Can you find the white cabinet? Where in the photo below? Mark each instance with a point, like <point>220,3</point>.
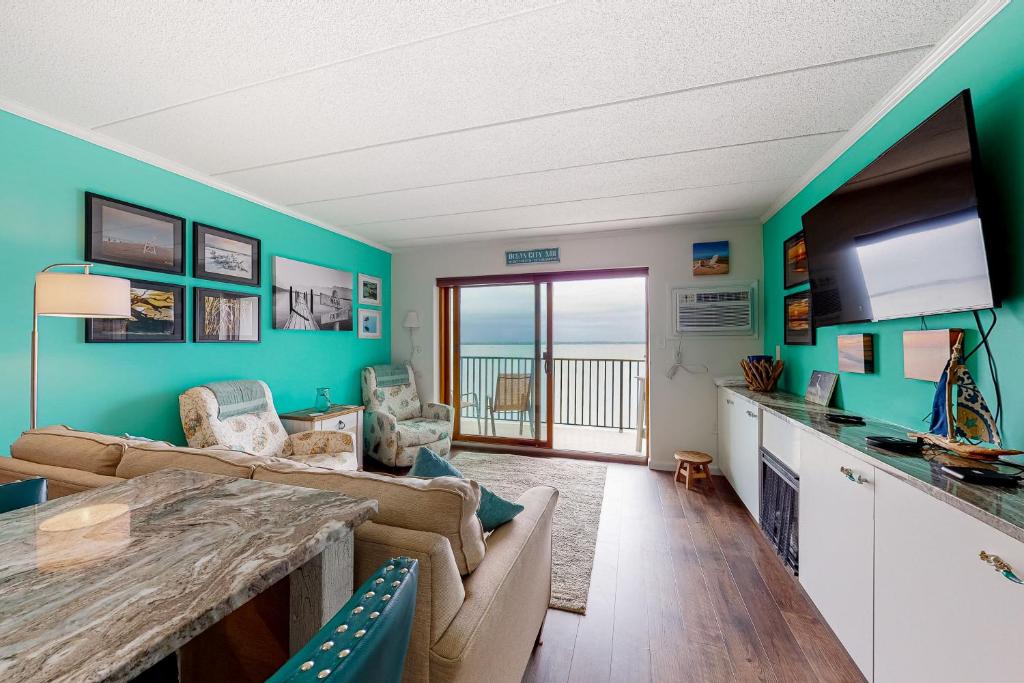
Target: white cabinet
<point>837,542</point>
<point>941,613</point>
<point>738,439</point>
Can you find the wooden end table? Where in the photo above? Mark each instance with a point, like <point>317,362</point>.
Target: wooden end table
<point>343,418</point>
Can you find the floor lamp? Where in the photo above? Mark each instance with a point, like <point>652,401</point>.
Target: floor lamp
<point>412,323</point>
<point>73,295</point>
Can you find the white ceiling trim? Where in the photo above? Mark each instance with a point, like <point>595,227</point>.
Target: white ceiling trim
<point>973,22</point>
<point>166,164</point>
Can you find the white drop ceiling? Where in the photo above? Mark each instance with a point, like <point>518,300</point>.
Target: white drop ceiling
<point>409,122</point>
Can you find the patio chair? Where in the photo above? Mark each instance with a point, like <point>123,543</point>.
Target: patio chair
<point>471,401</point>
<point>513,393</point>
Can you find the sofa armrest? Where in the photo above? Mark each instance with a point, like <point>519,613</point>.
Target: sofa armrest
<point>439,411</point>
<point>496,629</point>
<point>439,594</point>
<point>318,443</point>
<point>60,481</point>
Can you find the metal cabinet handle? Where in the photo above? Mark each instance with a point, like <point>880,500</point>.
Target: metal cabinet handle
<point>750,413</point>
<point>855,478</point>
<point>1000,566</point>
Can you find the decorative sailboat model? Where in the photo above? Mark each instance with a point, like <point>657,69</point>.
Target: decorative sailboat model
<point>961,420</point>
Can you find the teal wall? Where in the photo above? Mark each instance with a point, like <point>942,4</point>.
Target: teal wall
<point>134,388</point>
<point>991,64</point>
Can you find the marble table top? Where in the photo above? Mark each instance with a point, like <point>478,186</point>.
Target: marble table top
<point>1001,508</point>
<point>101,585</point>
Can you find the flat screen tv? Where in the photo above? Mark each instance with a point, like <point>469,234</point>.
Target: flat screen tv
<point>904,237</point>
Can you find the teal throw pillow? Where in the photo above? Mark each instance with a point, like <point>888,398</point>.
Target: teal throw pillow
<point>493,511</point>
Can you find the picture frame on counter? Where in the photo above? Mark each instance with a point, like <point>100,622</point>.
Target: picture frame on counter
<point>225,256</point>
<point>821,387</point>
<point>120,233</point>
<point>225,316</point>
<point>157,316</point>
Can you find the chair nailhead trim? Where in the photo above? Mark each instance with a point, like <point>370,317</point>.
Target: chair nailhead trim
<point>357,610</point>
<point>328,645</point>
<point>344,653</point>
<point>385,598</point>
<point>306,666</point>
<point>360,633</point>
<point>374,615</point>
<point>324,674</point>
<point>342,628</point>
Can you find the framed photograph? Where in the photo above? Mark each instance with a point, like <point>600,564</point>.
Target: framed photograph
<point>821,387</point>
<point>158,315</point>
<point>370,292</point>
<point>798,326</point>
<point>856,353</point>
<point>794,257</point>
<point>124,234</point>
<point>710,258</point>
<point>310,297</point>
<point>225,256</point>
<point>222,316</point>
<point>369,323</point>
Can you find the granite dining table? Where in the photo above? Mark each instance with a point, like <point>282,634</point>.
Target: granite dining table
<point>105,584</point>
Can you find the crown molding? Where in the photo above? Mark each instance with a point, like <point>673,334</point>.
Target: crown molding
<point>107,142</point>
<point>973,22</point>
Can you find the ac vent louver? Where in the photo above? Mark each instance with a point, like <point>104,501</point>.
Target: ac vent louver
<point>722,310</point>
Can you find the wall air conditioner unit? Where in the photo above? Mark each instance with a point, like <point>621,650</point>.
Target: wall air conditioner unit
<point>720,310</point>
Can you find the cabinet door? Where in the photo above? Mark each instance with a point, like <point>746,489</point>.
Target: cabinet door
<point>941,613</point>
<point>722,458</point>
<point>837,542</point>
<point>745,455</point>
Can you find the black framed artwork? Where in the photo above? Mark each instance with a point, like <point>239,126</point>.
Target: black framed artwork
<point>798,325</point>
<point>124,234</point>
<point>223,316</point>
<point>157,315</point>
<point>225,256</point>
<point>794,261</point>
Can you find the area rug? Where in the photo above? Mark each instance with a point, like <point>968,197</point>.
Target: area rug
<point>580,485</point>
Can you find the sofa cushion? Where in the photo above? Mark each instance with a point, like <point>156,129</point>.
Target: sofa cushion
<point>145,457</point>
<point>445,506</point>
<point>419,431</point>
<point>62,446</point>
<point>60,481</point>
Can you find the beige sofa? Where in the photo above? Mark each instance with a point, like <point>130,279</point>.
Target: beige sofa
<point>481,600</point>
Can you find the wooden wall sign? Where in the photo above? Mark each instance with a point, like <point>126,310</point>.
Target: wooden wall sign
<point>926,352</point>
<point>856,353</point>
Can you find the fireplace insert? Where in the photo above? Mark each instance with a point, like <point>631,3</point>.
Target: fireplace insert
<point>780,508</point>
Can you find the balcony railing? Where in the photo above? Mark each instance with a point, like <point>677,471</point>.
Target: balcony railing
<point>589,392</point>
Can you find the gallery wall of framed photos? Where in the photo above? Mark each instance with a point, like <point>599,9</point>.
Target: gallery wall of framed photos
<point>178,241</point>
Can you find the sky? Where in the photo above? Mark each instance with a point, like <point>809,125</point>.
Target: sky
<point>589,311</point>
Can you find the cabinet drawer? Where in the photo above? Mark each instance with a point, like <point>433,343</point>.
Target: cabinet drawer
<point>781,439</point>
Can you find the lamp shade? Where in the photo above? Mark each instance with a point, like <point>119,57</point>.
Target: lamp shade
<point>412,320</point>
<point>77,295</point>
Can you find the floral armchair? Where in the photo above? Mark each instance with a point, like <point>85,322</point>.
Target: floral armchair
<point>396,424</point>
<point>261,433</point>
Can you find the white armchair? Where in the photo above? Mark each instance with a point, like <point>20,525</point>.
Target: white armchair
<point>261,433</point>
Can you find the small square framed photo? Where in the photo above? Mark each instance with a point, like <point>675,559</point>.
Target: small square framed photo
<point>370,293</point>
<point>225,256</point>
<point>222,316</point>
<point>158,315</point>
<point>798,327</point>
<point>133,236</point>
<point>369,323</point>
<point>794,257</point>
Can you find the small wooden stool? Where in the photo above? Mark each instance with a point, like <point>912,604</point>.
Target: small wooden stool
<point>693,465</point>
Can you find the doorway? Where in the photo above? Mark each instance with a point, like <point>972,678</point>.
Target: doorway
<point>548,362</point>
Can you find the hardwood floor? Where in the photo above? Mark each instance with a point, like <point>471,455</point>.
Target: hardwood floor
<point>686,588</point>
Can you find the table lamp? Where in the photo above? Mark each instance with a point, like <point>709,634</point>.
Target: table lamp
<point>74,295</point>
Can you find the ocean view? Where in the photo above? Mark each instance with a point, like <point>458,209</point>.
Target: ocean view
<point>627,351</point>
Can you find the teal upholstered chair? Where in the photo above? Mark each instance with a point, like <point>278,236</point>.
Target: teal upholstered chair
<point>21,494</point>
<point>367,639</point>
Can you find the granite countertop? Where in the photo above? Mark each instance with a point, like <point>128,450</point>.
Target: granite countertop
<point>101,585</point>
<point>1001,508</point>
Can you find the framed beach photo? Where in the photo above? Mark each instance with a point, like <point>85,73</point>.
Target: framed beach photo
<point>711,258</point>
<point>370,292</point>
<point>821,387</point>
<point>158,315</point>
<point>223,316</point>
<point>369,323</point>
<point>794,256</point>
<point>130,235</point>
<point>311,297</point>
<point>225,256</point>
<point>798,327</point>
